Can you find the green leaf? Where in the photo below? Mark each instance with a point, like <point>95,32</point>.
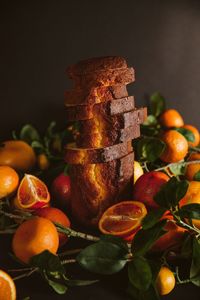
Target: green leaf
<point>171,193</point>
<point>178,168</point>
<point>37,145</point>
<point>103,258</point>
<point>58,287</point>
<point>157,104</point>
<point>29,134</point>
<point>115,240</point>
<point>197,176</point>
<point>195,266</point>
<point>50,129</point>
<point>145,239</point>
<point>47,261</point>
<point>150,121</point>
<point>71,283</point>
<point>188,134</point>
<point>149,149</point>
<point>139,273</point>
<point>153,217</point>
<point>190,211</point>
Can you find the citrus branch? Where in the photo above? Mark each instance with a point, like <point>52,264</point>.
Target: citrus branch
<point>70,232</point>
<point>176,164</point>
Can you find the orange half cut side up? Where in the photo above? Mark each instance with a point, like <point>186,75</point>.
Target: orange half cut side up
<point>123,218</point>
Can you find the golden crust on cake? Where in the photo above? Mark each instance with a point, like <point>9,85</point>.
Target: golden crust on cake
<point>95,187</point>
<point>109,108</point>
<point>96,64</point>
<point>97,155</point>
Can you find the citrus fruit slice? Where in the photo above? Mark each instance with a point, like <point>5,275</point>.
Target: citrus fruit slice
<point>32,193</point>
<point>122,219</point>
<point>7,287</point>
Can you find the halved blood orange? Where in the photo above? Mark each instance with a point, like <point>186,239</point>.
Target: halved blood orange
<point>32,193</point>
<point>123,219</point>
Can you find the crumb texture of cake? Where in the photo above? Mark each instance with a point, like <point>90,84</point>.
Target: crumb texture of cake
<point>101,163</point>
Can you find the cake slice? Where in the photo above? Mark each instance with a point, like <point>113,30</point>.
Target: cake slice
<point>96,64</point>
<point>95,187</point>
<point>110,107</point>
<point>110,138</point>
<point>103,130</point>
<point>105,78</point>
<point>94,95</point>
<point>97,155</point>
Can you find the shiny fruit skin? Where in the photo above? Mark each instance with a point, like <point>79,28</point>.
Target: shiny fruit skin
<point>61,190</point>
<point>196,134</point>
<point>138,171</point>
<point>192,169</point>
<point>55,215</point>
<point>9,181</point>
<point>33,237</point>
<point>171,118</point>
<point>176,146</point>
<point>147,186</point>
<point>18,155</point>
<point>165,281</point>
<point>43,162</point>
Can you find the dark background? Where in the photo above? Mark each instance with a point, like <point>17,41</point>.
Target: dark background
<point>39,39</point>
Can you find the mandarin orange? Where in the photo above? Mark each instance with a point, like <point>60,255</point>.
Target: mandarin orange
<point>33,237</point>
<point>176,146</point>
<point>171,118</point>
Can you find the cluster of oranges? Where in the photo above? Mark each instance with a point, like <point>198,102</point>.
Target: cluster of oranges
<point>29,193</point>
<point>124,219</point>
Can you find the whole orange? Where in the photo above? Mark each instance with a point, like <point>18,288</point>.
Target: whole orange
<point>196,134</point>
<point>18,155</point>
<point>147,186</point>
<point>192,196</point>
<point>43,162</point>
<point>55,215</point>
<point>192,169</point>
<point>165,281</point>
<point>9,181</point>
<point>171,118</point>
<point>172,238</point>
<point>33,237</point>
<point>176,146</point>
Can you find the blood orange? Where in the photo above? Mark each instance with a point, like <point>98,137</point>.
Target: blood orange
<point>123,219</point>
<point>32,193</point>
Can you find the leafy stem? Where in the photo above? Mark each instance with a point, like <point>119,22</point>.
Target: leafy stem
<point>166,167</point>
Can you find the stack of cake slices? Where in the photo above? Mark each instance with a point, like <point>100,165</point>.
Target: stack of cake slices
<point>101,163</point>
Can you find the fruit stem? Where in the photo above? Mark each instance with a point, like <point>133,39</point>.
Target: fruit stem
<point>70,232</point>
<point>68,261</point>
<point>185,163</point>
<point>180,281</point>
<point>185,225</point>
<point>33,270</point>
<point>13,216</point>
